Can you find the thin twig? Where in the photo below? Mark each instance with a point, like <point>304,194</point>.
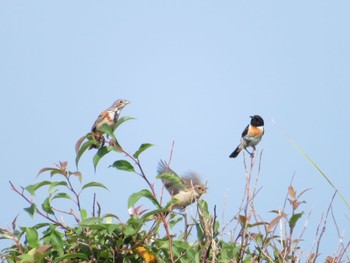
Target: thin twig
<point>36,209</point>
<point>323,228</point>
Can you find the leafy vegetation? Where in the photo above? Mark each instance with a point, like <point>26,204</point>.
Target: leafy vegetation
<point>149,235</point>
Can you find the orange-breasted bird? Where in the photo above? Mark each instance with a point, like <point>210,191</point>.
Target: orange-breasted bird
<point>251,136</point>
<point>186,191</point>
<point>110,117</point>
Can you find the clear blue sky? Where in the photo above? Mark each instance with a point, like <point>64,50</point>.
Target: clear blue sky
<point>194,71</point>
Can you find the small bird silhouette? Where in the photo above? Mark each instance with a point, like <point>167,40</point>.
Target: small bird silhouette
<point>186,191</point>
<point>251,136</point>
<point>110,117</point>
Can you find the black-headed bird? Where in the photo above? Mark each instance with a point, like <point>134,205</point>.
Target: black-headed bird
<point>251,136</point>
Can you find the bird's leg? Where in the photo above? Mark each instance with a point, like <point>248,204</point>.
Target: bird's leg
<point>253,152</point>
<point>250,153</point>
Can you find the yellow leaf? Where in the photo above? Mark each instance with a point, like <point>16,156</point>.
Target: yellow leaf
<point>147,256</point>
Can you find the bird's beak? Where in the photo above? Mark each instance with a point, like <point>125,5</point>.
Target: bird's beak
<point>127,102</point>
<point>251,116</point>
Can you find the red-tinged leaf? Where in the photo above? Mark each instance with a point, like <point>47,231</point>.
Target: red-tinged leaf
<point>62,166</point>
<point>299,195</point>
<point>275,221</point>
<point>100,153</point>
<point>43,248</point>
<point>259,224</point>
<point>77,174</point>
<point>142,148</point>
<point>82,149</point>
<point>79,142</point>
<point>46,169</point>
<point>291,192</point>
<point>276,211</point>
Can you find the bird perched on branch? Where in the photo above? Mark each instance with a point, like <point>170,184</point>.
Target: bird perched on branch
<point>183,190</point>
<point>251,136</point>
<point>110,117</point>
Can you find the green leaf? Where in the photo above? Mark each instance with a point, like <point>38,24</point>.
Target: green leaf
<point>32,237</point>
<point>46,206</point>
<point>82,149</point>
<point>109,215</point>
<point>77,174</point>
<point>107,130</point>
<point>200,232</point>
<point>142,148</point>
<point>130,230</point>
<point>55,184</point>
<point>143,193</point>
<point>65,257</point>
<point>54,238</point>
<point>123,165</point>
<point>25,258</point>
<point>92,221</point>
<point>83,214</point>
<point>203,206</point>
<point>94,184</point>
<point>62,195</point>
<point>122,120</point>
<point>31,210</point>
<point>100,153</point>
<point>293,220</point>
<point>33,187</point>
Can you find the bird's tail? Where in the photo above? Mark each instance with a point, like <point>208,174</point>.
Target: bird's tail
<point>235,153</point>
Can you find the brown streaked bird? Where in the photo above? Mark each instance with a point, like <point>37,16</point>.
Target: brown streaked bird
<point>110,117</point>
<point>186,192</point>
<point>251,136</point>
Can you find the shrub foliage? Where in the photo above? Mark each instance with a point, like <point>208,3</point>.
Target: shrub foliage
<point>149,235</point>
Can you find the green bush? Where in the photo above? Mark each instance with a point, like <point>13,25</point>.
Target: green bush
<point>149,235</point>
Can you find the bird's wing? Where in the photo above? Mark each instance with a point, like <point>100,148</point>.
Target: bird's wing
<point>173,186</point>
<point>245,132</point>
<point>99,119</point>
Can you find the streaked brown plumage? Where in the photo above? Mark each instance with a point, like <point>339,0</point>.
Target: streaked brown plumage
<point>110,117</point>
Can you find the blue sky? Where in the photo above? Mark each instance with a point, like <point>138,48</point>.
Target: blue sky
<point>194,72</point>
